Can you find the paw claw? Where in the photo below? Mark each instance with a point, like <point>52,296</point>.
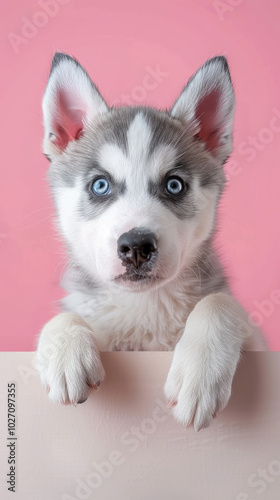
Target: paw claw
<point>94,386</point>
<point>171,403</point>
<point>81,401</point>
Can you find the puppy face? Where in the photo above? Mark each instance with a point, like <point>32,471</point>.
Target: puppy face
<point>136,189</point>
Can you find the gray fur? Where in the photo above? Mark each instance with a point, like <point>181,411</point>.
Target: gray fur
<point>80,161</point>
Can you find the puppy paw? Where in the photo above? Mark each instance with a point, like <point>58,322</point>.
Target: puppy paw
<point>68,360</point>
<point>196,388</point>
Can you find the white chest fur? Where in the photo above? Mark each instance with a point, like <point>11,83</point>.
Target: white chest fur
<point>122,320</point>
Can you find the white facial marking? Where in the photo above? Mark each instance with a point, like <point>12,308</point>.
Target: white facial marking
<point>67,200</point>
<point>113,160</point>
<point>136,167</point>
<point>161,160</point>
<point>139,136</point>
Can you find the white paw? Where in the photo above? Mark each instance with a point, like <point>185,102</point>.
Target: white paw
<point>205,359</point>
<point>68,359</point>
<point>196,387</point>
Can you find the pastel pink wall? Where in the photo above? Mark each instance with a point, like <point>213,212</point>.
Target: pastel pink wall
<point>120,43</point>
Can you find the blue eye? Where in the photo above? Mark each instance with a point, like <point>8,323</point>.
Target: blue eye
<point>174,185</point>
<point>101,186</point>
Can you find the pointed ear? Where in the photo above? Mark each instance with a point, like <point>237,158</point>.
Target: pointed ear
<point>207,106</point>
<point>71,101</point>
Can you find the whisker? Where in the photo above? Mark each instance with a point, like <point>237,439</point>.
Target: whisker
<point>34,212</point>
<point>64,258</point>
<point>34,223</point>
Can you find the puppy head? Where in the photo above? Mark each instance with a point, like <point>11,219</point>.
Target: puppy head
<point>136,189</point>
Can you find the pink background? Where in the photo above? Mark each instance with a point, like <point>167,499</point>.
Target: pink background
<point>116,42</point>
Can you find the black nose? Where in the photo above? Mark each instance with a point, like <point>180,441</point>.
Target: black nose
<point>137,246</point>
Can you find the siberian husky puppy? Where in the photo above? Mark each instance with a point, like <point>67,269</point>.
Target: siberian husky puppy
<point>136,191</point>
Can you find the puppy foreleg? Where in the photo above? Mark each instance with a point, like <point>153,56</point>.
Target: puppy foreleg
<point>68,359</point>
<point>205,359</point>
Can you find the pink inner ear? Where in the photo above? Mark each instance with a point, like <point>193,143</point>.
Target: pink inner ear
<point>207,115</point>
<point>68,120</point>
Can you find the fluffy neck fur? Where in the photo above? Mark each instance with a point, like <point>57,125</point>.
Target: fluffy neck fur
<point>149,320</point>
